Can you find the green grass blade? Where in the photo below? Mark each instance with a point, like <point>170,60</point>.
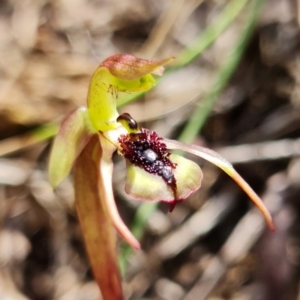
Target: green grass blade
<point>206,105</point>
<point>205,39</point>
<point>141,216</point>
<point>32,137</point>
<point>213,31</point>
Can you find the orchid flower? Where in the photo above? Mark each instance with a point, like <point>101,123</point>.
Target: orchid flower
<point>87,139</point>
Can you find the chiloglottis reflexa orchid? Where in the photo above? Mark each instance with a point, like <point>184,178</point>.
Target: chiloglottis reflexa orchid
<point>87,139</point>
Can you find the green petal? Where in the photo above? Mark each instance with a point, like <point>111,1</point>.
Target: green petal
<point>216,159</point>
<point>118,73</point>
<point>96,224</point>
<point>72,136</point>
<point>144,186</point>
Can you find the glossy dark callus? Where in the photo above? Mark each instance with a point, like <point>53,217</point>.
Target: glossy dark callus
<point>146,150</point>
<point>132,124</point>
<point>149,155</point>
<point>167,173</point>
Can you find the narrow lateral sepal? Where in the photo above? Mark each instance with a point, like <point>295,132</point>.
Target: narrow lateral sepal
<point>96,225</point>
<point>71,138</point>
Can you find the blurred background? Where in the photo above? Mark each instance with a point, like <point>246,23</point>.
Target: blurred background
<point>234,87</point>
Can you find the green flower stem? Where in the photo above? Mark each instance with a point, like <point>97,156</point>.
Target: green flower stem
<point>199,117</point>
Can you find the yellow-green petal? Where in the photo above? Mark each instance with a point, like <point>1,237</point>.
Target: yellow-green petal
<point>144,186</point>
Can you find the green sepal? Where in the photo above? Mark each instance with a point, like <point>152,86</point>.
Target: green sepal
<point>73,135</point>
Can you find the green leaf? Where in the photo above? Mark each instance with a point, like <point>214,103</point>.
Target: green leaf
<point>72,136</point>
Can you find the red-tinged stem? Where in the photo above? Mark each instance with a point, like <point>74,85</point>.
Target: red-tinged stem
<point>226,166</point>
<point>97,227</point>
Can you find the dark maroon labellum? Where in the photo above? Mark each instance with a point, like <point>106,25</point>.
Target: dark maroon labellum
<point>146,150</point>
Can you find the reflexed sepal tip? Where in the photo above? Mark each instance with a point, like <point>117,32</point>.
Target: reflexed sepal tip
<point>129,67</point>
<point>145,186</point>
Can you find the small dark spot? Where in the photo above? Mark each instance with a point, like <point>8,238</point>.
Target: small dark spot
<point>130,121</point>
